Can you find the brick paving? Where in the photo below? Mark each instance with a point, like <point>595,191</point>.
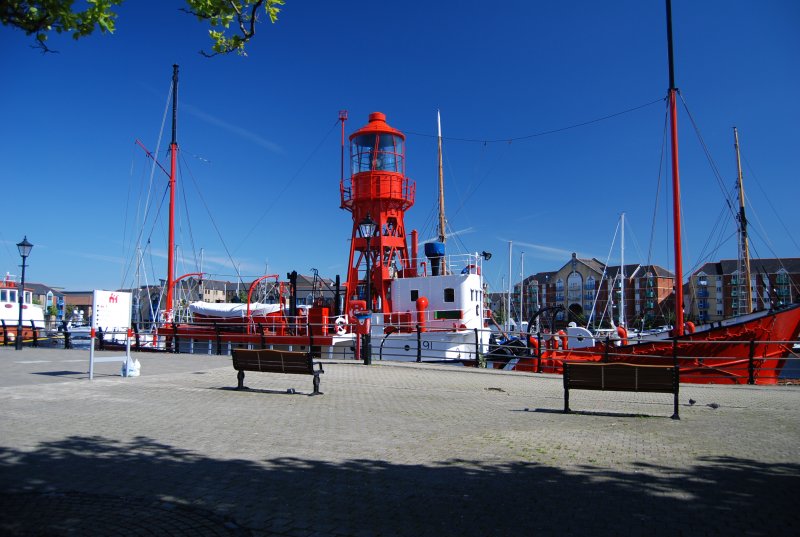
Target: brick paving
<point>390,449</point>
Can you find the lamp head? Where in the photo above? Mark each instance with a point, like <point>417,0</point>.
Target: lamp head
<point>24,247</point>
<point>367,227</point>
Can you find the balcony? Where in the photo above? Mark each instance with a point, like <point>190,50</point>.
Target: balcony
<point>703,305</point>
<point>650,293</point>
<point>702,293</point>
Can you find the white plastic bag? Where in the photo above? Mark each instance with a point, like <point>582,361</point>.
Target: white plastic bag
<point>131,369</point>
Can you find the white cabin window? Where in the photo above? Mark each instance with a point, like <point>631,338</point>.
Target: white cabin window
<point>12,296</point>
<point>449,295</point>
<point>414,295</point>
<point>3,296</point>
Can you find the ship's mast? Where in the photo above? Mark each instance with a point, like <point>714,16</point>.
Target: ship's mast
<point>442,234</point>
<point>745,289</point>
<point>508,291</point>
<point>173,150</point>
<point>676,185</point>
<point>521,289</point>
<point>622,273</point>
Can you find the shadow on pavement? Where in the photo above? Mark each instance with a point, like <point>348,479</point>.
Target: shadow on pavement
<point>291,496</point>
<point>60,373</point>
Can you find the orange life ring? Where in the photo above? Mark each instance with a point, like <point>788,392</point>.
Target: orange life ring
<point>623,334</point>
<point>564,339</point>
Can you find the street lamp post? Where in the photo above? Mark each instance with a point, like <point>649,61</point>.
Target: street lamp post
<point>24,248</point>
<point>367,229</point>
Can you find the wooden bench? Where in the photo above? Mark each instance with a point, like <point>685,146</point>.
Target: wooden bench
<point>275,361</point>
<point>621,378</point>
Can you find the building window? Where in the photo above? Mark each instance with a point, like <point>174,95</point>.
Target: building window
<point>559,285</point>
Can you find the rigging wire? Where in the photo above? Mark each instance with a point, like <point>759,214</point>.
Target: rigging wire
<point>661,164</point>
<point>771,206</point>
<point>286,186</point>
<point>146,208</point>
<point>152,229</point>
<point>214,224</point>
<point>188,221</point>
<point>710,159</point>
<point>538,134</point>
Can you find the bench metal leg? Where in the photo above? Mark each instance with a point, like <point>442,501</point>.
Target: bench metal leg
<point>566,401</point>
<point>676,386</point>
<point>675,415</point>
<point>240,378</point>
<point>316,385</point>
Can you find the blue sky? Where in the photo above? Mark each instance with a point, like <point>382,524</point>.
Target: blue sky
<point>260,145</point>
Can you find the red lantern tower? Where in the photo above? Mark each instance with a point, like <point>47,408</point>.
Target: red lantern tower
<point>378,189</point>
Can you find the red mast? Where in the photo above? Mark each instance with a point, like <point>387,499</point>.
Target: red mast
<point>378,188</point>
<point>676,185</point>
<point>173,149</point>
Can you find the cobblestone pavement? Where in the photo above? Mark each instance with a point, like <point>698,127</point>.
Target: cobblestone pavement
<point>389,449</point>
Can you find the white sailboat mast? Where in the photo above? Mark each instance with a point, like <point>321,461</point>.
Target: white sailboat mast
<point>521,289</point>
<point>622,273</point>
<point>508,292</point>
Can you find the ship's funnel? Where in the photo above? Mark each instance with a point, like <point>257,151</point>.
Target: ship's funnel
<point>434,251</point>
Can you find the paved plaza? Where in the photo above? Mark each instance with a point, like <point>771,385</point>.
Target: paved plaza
<point>389,450</point>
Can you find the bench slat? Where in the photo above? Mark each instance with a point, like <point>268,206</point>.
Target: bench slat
<point>275,361</point>
<point>620,377</point>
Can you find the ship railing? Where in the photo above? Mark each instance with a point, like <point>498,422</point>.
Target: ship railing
<point>454,264</point>
<point>729,362</point>
<point>34,333</point>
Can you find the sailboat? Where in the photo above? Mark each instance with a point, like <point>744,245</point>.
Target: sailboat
<point>751,348</point>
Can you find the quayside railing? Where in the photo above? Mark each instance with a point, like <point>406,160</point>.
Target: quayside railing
<point>740,361</point>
